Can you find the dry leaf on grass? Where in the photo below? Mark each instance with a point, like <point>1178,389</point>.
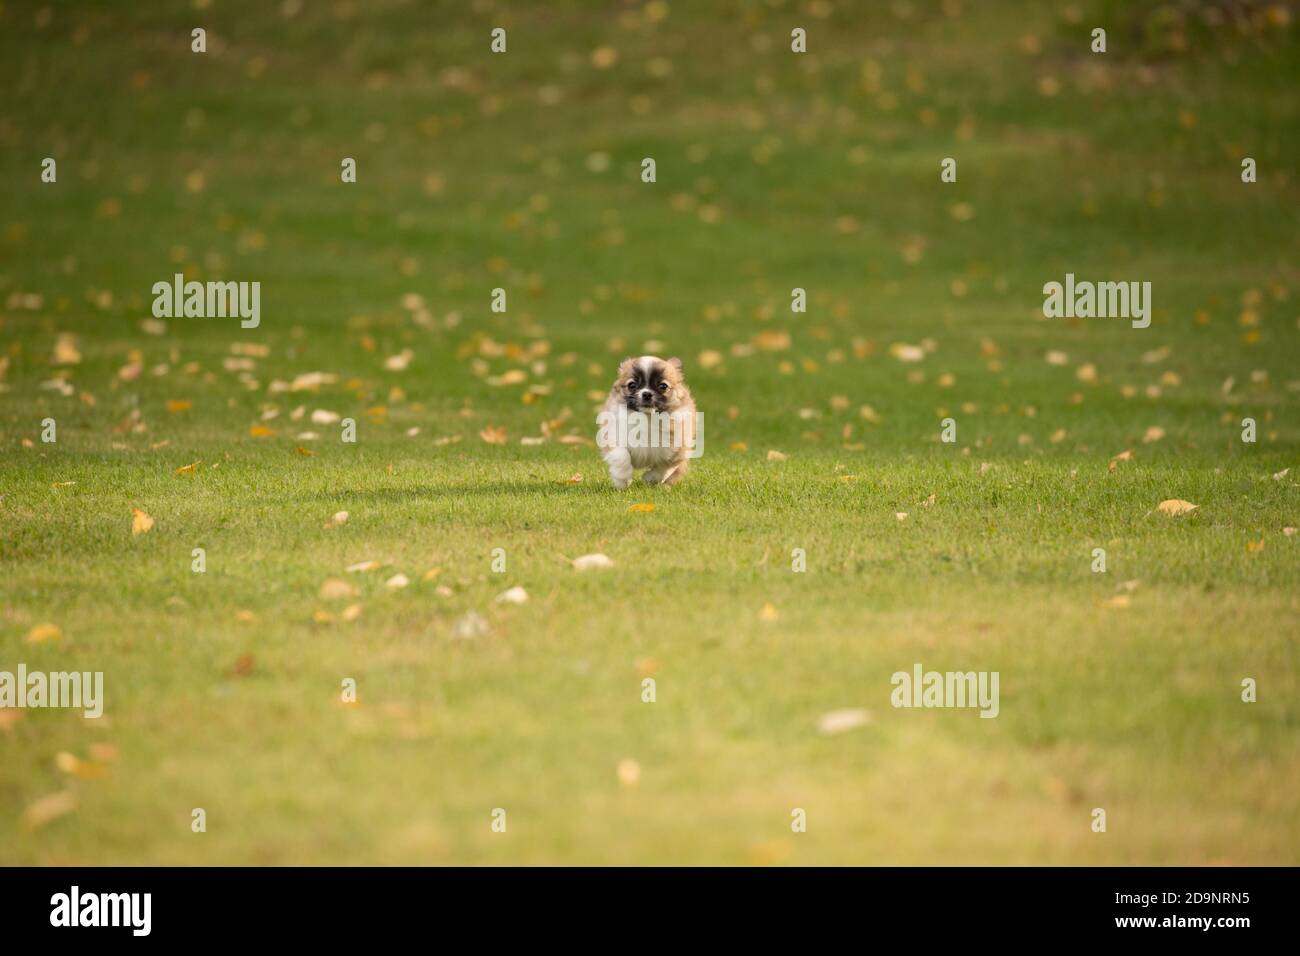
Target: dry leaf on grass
<point>907,353</point>
<point>589,562</point>
<point>43,632</point>
<point>140,521</point>
<point>260,431</point>
<point>1119,600</point>
<point>335,589</point>
<point>515,595</point>
<point>493,435</point>
<point>629,772</point>
<point>768,613</point>
<point>103,753</point>
<point>188,469</point>
<point>641,507</point>
<point>65,350</point>
<point>774,455</point>
<point>470,626</point>
<point>74,766</point>
<point>838,721</point>
<point>1176,506</point>
<point>49,808</point>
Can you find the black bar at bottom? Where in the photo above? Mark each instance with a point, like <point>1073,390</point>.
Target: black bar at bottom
<point>334,907</point>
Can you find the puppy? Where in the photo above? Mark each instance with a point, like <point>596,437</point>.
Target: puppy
<point>648,422</point>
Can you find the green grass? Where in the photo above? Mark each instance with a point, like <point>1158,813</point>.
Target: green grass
<point>815,174</point>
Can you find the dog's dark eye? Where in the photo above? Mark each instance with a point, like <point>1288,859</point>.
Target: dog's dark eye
<point>631,386</point>
<point>663,386</point>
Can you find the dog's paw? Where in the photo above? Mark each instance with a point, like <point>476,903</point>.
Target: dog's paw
<point>620,467</point>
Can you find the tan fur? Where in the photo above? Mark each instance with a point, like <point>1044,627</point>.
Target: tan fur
<point>666,465</point>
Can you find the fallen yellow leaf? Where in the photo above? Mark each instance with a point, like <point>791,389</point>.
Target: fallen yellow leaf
<point>1176,506</point>
<point>187,469</point>
<point>43,632</point>
<point>76,767</point>
<point>65,350</point>
<point>629,772</point>
<point>140,522</point>
<point>334,589</point>
<point>305,452</point>
<point>642,507</point>
<point>179,405</point>
<point>260,431</point>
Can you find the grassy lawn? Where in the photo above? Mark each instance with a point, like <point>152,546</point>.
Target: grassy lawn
<point>223,689</point>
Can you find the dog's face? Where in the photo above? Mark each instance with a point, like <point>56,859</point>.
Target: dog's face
<point>649,383</point>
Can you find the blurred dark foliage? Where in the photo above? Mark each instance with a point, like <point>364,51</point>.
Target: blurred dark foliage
<point>1186,27</point>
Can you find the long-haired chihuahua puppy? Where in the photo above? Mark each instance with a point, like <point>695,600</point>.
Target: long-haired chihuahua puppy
<point>648,422</point>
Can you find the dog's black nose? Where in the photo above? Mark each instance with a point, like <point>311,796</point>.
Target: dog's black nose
<point>647,396</point>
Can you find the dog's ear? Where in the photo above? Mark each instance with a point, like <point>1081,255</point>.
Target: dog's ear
<point>676,363</point>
